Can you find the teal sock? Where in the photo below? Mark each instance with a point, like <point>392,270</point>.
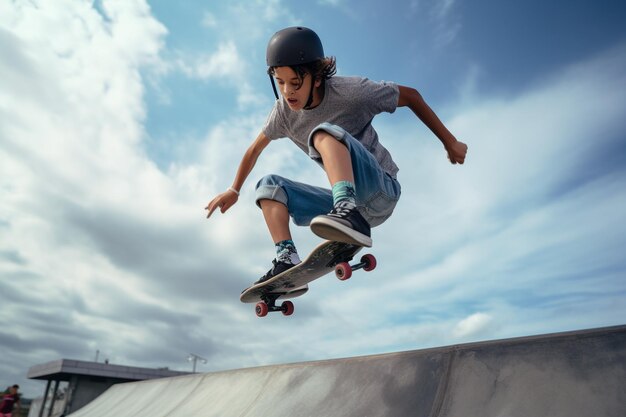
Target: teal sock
<point>286,252</point>
<point>343,191</point>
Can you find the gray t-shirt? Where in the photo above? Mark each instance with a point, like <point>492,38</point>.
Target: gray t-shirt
<point>349,102</point>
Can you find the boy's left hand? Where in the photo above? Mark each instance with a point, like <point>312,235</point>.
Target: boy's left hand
<point>457,152</point>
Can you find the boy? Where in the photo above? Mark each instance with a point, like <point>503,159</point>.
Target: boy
<point>330,119</point>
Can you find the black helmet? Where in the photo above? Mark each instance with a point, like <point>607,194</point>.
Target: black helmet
<point>293,46</point>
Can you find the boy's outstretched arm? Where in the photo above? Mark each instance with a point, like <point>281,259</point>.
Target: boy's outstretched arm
<point>409,97</point>
<point>228,198</point>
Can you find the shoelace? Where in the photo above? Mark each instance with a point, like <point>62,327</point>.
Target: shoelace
<point>276,262</point>
<point>340,210</point>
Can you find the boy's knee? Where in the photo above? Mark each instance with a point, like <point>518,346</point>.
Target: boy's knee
<point>270,187</point>
<point>321,136</point>
<point>269,180</point>
<point>333,130</point>
<point>324,130</point>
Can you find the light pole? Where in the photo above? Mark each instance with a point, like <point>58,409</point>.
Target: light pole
<point>195,358</point>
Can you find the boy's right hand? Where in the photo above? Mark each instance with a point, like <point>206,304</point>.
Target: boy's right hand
<point>457,152</point>
<point>224,201</point>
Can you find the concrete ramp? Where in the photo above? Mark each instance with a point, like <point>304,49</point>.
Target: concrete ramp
<point>568,374</point>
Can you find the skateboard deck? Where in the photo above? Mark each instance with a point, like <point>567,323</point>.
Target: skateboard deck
<point>325,258</point>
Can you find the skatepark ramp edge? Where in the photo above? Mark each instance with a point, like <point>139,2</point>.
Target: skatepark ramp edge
<point>580,373</point>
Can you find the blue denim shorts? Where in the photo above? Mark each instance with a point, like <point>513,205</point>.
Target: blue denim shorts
<point>377,192</point>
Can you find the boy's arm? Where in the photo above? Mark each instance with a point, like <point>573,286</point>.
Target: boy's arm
<point>228,198</point>
<point>409,97</point>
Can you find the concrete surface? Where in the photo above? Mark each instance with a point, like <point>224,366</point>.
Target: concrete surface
<point>571,374</point>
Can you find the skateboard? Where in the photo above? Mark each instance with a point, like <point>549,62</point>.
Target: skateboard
<point>325,258</point>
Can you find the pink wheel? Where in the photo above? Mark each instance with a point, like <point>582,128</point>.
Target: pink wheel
<point>287,308</point>
<point>343,271</point>
<point>370,262</point>
<point>262,309</point>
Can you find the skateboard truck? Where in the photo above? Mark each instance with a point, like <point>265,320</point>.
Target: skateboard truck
<point>269,304</point>
<point>343,270</point>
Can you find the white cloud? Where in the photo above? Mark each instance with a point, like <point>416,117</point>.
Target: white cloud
<point>209,19</point>
<point>447,24</point>
<point>76,187</point>
<point>238,27</point>
<point>472,325</point>
<point>333,3</point>
<point>225,63</point>
<point>442,8</point>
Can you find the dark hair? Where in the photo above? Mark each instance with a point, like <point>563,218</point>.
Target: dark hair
<point>322,69</point>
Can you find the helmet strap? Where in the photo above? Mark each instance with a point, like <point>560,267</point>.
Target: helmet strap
<point>310,100</point>
<point>273,86</point>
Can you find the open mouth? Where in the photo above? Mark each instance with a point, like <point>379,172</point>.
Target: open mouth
<point>292,101</point>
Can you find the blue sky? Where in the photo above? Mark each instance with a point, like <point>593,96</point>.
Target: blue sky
<point>119,120</point>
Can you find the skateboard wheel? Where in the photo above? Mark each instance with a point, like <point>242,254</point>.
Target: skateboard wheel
<point>370,262</point>
<point>262,309</point>
<point>343,271</point>
<point>287,308</point>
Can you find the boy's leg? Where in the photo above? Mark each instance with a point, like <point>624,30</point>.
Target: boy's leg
<point>344,223</point>
<point>281,199</point>
<point>303,202</point>
<point>276,217</point>
<point>335,157</point>
<point>338,166</point>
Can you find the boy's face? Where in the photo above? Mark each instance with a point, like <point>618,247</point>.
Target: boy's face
<point>294,90</point>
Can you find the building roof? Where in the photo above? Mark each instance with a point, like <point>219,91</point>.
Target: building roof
<point>64,369</point>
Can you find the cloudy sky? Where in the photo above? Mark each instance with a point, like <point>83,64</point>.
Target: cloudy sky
<point>120,120</point>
